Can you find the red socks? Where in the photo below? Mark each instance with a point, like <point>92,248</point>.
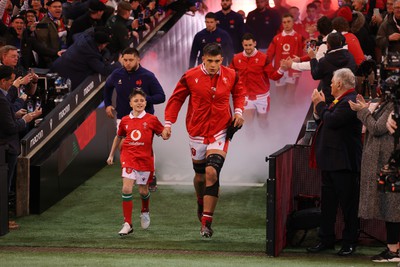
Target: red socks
<point>127,206</point>
<point>207,218</point>
<point>145,202</point>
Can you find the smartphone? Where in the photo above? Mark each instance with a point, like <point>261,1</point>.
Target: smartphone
<point>147,12</point>
<point>312,44</point>
<point>38,103</point>
<point>376,12</point>
<point>140,20</point>
<point>29,106</point>
<point>21,90</point>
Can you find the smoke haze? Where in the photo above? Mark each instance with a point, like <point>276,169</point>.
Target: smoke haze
<point>245,162</point>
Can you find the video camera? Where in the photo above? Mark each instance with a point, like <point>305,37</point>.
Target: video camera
<point>389,176</point>
<point>51,91</point>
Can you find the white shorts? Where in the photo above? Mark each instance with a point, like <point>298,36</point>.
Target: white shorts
<point>286,79</point>
<point>140,177</point>
<point>199,150</point>
<point>261,104</point>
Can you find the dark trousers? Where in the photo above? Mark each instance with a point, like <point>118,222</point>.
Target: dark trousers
<point>339,188</point>
<point>12,162</point>
<point>392,232</point>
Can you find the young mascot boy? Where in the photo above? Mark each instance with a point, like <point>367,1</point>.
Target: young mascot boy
<point>137,160</point>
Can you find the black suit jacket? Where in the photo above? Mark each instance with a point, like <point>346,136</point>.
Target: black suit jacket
<point>10,126</point>
<point>324,68</point>
<point>338,139</point>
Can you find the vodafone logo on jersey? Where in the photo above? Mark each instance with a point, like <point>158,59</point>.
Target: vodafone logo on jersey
<point>135,135</point>
<point>286,47</point>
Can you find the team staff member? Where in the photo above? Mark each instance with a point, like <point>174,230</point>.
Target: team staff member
<point>131,75</point>
<point>337,146</point>
<point>211,34</point>
<point>232,22</point>
<point>209,86</point>
<point>264,23</point>
<point>255,72</point>
<point>126,78</point>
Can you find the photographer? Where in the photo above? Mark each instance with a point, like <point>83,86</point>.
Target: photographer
<point>378,145</point>
<point>336,57</point>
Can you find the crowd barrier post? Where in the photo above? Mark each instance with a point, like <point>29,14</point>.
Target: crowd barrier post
<point>3,191</point>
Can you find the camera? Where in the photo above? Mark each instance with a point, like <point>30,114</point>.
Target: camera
<point>312,44</point>
<point>389,176</point>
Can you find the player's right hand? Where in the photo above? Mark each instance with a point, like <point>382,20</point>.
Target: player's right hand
<point>110,112</point>
<point>110,160</point>
<point>166,133</point>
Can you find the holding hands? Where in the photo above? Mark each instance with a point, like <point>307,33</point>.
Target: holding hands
<point>166,133</point>
<point>286,64</point>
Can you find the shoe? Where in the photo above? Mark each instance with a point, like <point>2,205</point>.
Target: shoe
<point>386,256</point>
<point>126,229</point>
<point>347,250</point>
<point>206,231</point>
<point>145,220</point>
<point>320,247</point>
<point>153,184</point>
<point>12,225</point>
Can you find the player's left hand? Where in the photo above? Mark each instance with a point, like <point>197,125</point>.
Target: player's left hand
<point>238,119</point>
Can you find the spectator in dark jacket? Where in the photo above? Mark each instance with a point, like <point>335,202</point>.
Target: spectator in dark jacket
<point>120,28</point>
<point>92,18</point>
<point>359,27</point>
<point>335,58</point>
<point>389,32</point>
<point>84,58</point>
<point>51,31</point>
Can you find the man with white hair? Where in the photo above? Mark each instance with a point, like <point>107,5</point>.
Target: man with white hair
<point>336,151</point>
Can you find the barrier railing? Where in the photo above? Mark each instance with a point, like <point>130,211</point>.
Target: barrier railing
<point>290,176</point>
